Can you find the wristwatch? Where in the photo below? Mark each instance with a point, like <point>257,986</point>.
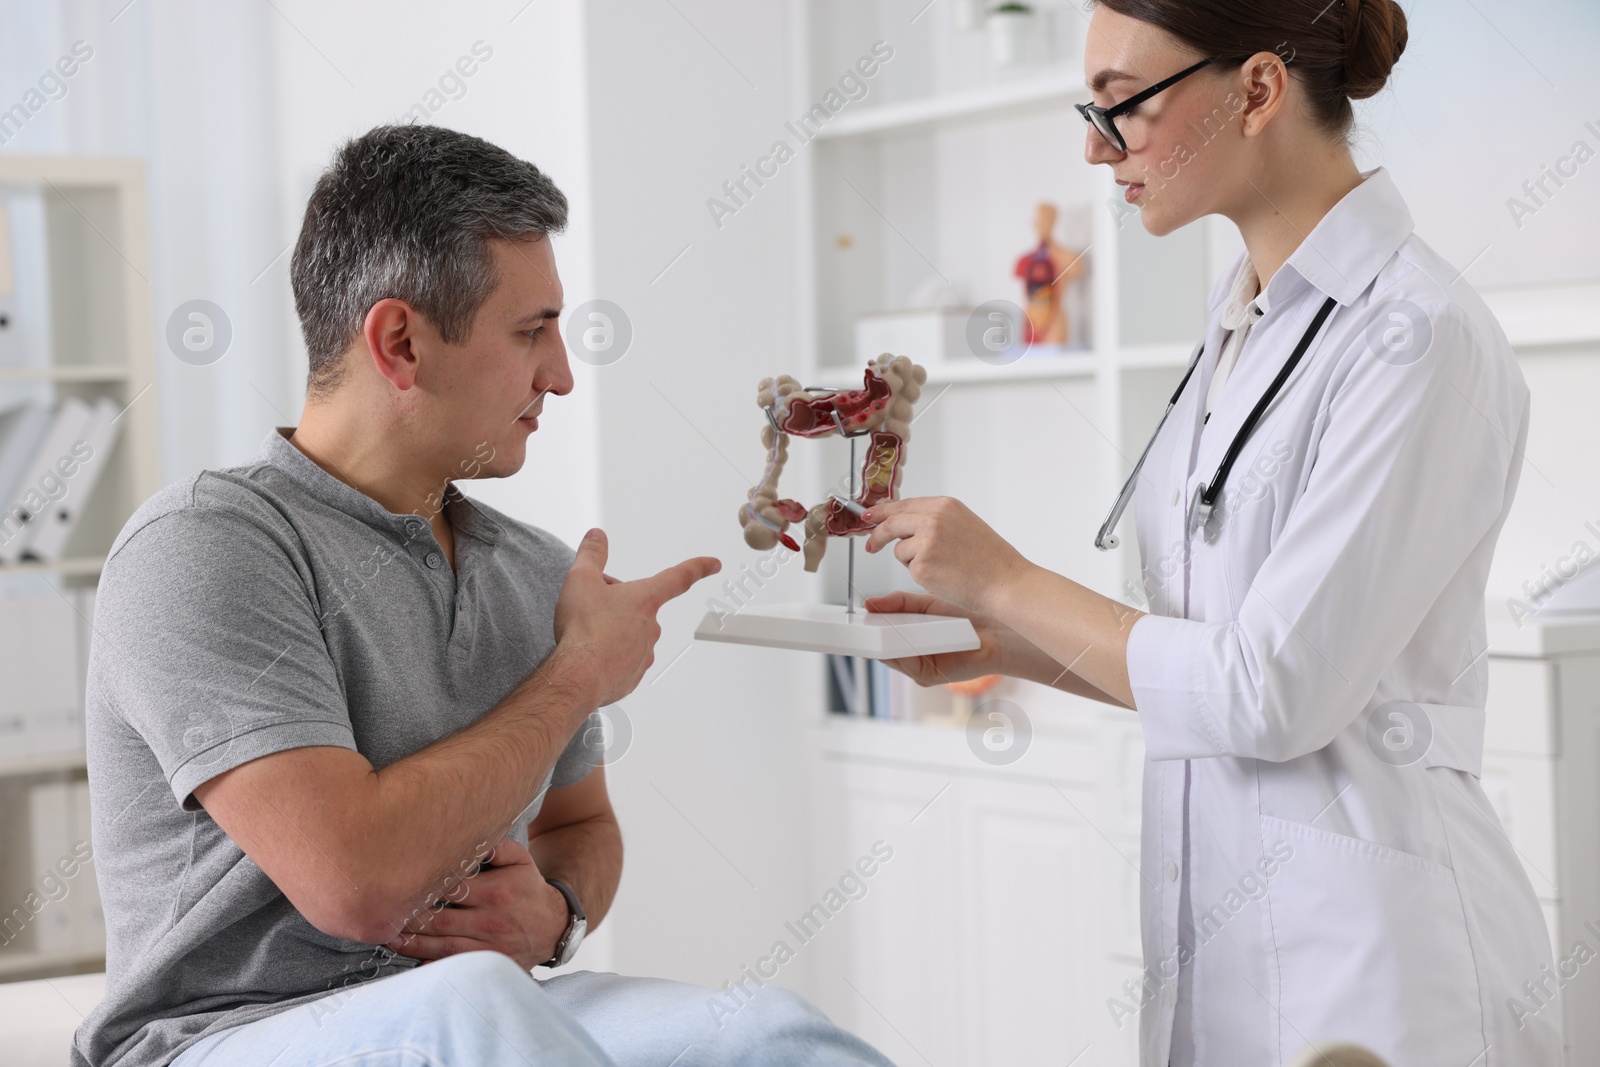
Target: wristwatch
<point>577,927</point>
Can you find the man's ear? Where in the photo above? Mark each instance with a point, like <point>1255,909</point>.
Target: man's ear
<point>1266,87</point>
<point>389,331</point>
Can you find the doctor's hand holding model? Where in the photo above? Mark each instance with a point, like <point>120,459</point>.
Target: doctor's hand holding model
<point>1290,638</point>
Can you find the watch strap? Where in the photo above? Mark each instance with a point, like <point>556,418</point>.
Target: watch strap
<point>577,923</point>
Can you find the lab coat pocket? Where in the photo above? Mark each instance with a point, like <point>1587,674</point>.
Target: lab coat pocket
<point>1371,946</point>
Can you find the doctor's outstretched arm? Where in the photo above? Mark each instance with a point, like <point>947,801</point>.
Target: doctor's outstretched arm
<point>1411,479</point>
<point>1034,623</point>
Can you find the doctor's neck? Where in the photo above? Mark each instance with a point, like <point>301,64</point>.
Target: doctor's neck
<point>1288,197</point>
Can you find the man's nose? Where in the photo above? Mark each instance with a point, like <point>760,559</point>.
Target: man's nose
<point>557,376</point>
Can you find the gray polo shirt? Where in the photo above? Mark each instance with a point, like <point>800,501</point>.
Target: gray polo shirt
<point>244,612</point>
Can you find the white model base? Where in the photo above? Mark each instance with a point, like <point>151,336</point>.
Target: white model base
<point>826,628</point>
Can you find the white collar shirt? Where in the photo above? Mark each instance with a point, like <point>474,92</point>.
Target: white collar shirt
<point>1245,306</point>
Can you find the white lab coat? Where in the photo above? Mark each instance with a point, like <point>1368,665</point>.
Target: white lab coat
<point>1322,892</point>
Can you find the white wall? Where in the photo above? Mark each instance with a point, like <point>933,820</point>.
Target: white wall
<point>1487,96</point>
<point>339,71</point>
<point>710,794</point>
<point>1488,93</point>
<point>1557,511</point>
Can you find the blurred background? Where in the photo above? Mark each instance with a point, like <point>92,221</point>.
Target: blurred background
<point>155,159</point>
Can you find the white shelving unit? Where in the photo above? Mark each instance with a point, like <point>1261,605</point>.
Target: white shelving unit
<point>10,375</point>
<point>987,103</point>
<point>102,338</point>
<point>1029,369</point>
<point>935,176</point>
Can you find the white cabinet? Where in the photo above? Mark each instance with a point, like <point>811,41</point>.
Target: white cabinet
<point>1025,882</point>
<point>909,924</point>
<point>1007,920</point>
<point>1541,771</point>
<point>1007,917</point>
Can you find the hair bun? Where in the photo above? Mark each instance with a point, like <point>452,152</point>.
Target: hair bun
<point>1375,37</point>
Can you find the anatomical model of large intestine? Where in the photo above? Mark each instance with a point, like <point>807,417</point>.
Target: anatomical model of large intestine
<point>881,408</point>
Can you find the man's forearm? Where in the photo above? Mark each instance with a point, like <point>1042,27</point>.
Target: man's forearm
<point>588,857</point>
<point>426,815</point>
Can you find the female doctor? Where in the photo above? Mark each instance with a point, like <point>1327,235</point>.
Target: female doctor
<point>1310,677</point>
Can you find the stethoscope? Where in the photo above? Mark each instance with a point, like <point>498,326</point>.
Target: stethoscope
<point>1206,493</point>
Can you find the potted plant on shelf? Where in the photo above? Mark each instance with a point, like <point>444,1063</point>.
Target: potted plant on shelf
<point>1009,26</point>
<point>968,14</point>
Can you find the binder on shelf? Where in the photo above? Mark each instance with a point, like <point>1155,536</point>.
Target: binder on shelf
<point>872,689</point>
<point>16,931</point>
<point>83,612</point>
<point>14,737</point>
<point>88,914</point>
<point>847,685</point>
<point>50,837</point>
<point>79,470</point>
<point>27,334</point>
<point>902,698</point>
<point>8,290</point>
<point>839,685</point>
<point>878,687</point>
<point>60,872</point>
<point>21,429</point>
<point>42,478</point>
<point>8,277</point>
<point>40,662</point>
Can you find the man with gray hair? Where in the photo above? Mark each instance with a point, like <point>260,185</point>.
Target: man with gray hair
<point>344,761</point>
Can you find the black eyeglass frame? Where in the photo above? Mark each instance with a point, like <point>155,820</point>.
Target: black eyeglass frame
<point>1102,118</point>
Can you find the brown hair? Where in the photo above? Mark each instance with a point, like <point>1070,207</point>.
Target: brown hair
<point>1340,51</point>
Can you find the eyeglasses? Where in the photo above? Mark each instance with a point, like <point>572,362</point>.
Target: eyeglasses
<point>1104,119</point>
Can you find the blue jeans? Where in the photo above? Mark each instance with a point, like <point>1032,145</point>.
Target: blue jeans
<point>480,1009</point>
